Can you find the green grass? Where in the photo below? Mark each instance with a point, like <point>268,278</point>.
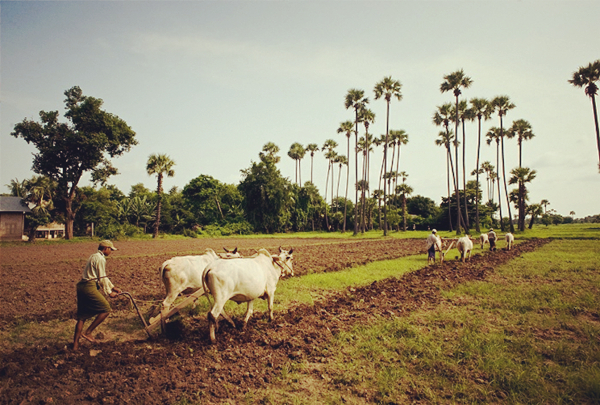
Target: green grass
<point>530,334</point>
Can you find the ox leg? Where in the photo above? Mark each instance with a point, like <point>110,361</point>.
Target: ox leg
<point>249,312</point>
<point>227,318</point>
<point>270,304</point>
<point>213,319</point>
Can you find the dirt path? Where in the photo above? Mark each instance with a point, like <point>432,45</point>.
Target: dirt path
<point>164,371</point>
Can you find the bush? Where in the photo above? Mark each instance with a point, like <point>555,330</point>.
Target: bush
<point>115,231</point>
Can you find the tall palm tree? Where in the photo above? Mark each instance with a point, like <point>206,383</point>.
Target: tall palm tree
<point>454,82</point>
<point>330,154</point>
<point>522,176</point>
<point>341,160</point>
<point>465,114</point>
<point>488,169</point>
<point>312,148</point>
<point>445,139</point>
<point>401,138</point>
<point>545,203</point>
<point>404,190</point>
<point>356,100</point>
<point>367,117</point>
<point>494,135</point>
<point>502,105</point>
<point>294,153</point>
<point>442,117</point>
<point>522,130</point>
<point>387,88</point>
<point>269,153</point>
<point>161,165</point>
<point>482,109</point>
<point>588,77</point>
<point>301,152</point>
<point>346,127</point>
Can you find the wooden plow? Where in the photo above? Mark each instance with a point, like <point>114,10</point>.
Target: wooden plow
<point>161,319</point>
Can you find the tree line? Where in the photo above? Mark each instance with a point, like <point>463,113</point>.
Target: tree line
<point>265,201</point>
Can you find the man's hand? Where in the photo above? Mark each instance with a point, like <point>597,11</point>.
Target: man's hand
<point>113,294</point>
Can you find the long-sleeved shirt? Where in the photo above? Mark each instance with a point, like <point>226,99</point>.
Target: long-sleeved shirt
<point>432,240</point>
<point>95,269</point>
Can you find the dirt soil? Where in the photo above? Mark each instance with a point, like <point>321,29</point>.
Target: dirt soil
<point>38,285</point>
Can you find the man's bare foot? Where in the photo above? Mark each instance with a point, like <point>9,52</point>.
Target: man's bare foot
<point>89,338</point>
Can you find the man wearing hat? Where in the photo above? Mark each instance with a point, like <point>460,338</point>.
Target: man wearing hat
<point>432,242</point>
<point>90,302</point>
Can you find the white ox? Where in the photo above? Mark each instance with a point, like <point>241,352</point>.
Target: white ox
<point>510,239</point>
<point>483,239</point>
<point>185,272</point>
<point>244,280</point>
<point>464,246</point>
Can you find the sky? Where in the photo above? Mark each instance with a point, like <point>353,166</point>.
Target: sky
<point>210,82</point>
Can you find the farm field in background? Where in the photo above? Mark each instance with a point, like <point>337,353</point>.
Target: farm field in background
<point>364,320</point>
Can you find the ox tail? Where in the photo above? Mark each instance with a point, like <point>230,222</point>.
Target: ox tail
<point>205,284</point>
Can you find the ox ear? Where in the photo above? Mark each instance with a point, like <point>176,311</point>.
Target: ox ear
<point>226,250</point>
<point>280,249</point>
<point>291,251</point>
<point>234,250</point>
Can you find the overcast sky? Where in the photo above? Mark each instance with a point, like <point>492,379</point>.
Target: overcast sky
<point>210,82</point>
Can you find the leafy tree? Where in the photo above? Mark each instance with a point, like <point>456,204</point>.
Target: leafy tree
<point>100,207</point>
<point>38,193</point>
<point>588,77</point>
<point>68,150</point>
<point>212,202</point>
<point>269,153</point>
<point>534,210</point>
<point>387,88</point>
<point>404,190</point>
<point>454,82</point>
<point>161,165</point>
<point>267,196</point>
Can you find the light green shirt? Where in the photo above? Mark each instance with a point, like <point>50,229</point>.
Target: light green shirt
<point>95,269</point>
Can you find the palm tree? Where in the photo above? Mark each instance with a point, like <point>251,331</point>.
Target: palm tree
<point>312,148</point>
<point>535,210</point>
<point>522,130</point>
<point>494,135</point>
<point>346,127</point>
<point>356,100</point>
<point>405,190</point>
<point>587,77</point>
<point>367,117</point>
<point>295,155</point>
<point>545,203</point>
<point>454,82</point>
<point>445,139</point>
<point>482,110</point>
<point>465,114</point>
<point>269,153</point>
<point>522,176</point>
<point>488,169</point>
<point>387,88</point>
<point>341,160</point>
<point>160,165</point>
<point>502,105</point>
<point>400,138</point>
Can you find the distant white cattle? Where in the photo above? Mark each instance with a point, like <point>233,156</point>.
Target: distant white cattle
<point>185,272</point>
<point>244,280</point>
<point>510,239</point>
<point>483,239</point>
<point>464,246</point>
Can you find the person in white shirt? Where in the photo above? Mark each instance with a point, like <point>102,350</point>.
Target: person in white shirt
<point>90,302</point>
<point>432,243</point>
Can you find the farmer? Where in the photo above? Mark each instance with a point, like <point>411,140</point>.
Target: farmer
<point>492,238</point>
<point>90,302</point>
<point>432,241</point>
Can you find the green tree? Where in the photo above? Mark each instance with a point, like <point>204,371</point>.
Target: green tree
<point>356,100</point>
<point>161,165</point>
<point>267,197</point>
<point>521,129</point>
<point>38,193</point>
<point>493,135</point>
<point>269,153</point>
<point>454,82</point>
<point>445,139</point>
<point>588,77</point>
<point>388,89</point>
<point>404,190</point>
<point>212,202</point>
<point>83,144</point>
<point>534,210</point>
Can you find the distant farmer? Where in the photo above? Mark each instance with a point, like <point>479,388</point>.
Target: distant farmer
<point>90,301</point>
<point>432,242</point>
<point>492,238</point>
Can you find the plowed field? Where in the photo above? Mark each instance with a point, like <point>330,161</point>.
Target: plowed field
<point>38,285</point>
